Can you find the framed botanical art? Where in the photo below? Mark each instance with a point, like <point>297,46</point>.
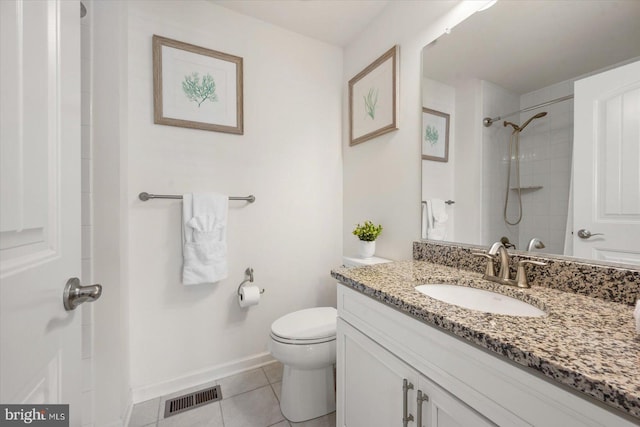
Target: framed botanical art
<point>373,99</point>
<point>196,87</point>
<point>435,135</point>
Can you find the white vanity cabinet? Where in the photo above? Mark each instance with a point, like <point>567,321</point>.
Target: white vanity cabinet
<point>379,348</point>
<point>376,388</point>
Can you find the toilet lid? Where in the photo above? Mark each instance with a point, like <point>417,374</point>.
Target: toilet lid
<point>308,324</point>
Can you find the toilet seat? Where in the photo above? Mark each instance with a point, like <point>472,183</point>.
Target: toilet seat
<point>302,342</point>
<point>308,326</point>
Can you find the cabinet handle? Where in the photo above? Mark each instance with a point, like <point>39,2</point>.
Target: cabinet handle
<point>422,397</point>
<point>406,386</point>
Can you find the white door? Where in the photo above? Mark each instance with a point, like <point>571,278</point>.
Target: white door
<point>606,166</point>
<point>39,202</point>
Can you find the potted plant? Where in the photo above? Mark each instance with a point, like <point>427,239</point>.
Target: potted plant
<point>367,233</point>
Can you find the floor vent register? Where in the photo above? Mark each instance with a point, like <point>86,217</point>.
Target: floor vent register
<point>193,400</point>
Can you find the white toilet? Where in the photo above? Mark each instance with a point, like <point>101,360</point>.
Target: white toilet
<point>305,342</point>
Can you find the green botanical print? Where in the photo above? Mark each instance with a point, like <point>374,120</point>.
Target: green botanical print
<point>370,102</point>
<point>198,91</point>
<point>431,135</point>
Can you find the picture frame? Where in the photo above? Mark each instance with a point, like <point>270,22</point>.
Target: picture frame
<point>435,135</point>
<point>195,87</point>
<point>373,98</point>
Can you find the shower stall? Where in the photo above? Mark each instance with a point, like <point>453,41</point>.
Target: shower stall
<point>514,156</point>
<point>526,186</point>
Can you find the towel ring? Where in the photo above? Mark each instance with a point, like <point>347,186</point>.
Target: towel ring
<point>248,272</point>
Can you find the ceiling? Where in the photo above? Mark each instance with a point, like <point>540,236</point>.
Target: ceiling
<point>525,45</point>
<point>336,22</point>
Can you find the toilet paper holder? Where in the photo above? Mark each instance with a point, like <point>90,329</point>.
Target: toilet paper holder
<point>248,272</point>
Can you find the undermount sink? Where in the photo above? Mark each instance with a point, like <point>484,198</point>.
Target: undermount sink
<point>480,300</point>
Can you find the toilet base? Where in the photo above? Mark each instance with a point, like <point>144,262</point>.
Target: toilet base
<point>307,394</point>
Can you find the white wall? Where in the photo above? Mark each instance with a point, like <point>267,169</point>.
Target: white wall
<point>110,220</point>
<point>440,183</point>
<point>467,159</point>
<point>289,157</point>
<point>382,176</point>
<point>460,179</point>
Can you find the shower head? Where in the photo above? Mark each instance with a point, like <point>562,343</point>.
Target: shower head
<point>517,128</point>
<point>537,116</point>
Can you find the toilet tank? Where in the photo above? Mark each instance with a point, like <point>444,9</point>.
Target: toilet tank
<point>360,262</point>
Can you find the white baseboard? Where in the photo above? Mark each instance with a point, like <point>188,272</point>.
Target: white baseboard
<point>142,393</point>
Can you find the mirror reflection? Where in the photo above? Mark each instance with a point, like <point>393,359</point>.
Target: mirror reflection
<point>506,79</point>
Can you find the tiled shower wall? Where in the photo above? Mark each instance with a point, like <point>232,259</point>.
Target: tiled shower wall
<point>545,167</point>
<point>86,215</point>
<point>495,157</point>
<point>546,147</point>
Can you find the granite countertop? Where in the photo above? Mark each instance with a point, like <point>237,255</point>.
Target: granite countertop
<point>585,343</point>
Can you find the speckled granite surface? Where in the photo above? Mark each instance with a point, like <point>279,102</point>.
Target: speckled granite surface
<point>616,284</point>
<point>585,343</point>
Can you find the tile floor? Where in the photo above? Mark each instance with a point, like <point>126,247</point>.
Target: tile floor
<point>250,399</point>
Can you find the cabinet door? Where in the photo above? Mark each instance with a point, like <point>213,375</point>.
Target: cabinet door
<point>441,409</point>
<point>370,382</point>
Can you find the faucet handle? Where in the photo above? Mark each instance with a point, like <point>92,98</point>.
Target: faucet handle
<point>490,270</point>
<point>521,275</point>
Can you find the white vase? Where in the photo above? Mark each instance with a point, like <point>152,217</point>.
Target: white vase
<point>366,249</point>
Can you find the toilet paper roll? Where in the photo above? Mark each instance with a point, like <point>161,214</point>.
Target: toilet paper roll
<point>249,295</point>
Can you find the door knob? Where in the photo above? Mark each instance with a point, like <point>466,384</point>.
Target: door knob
<point>74,294</point>
<point>585,234</point>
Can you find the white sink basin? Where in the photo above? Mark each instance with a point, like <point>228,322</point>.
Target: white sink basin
<point>480,299</point>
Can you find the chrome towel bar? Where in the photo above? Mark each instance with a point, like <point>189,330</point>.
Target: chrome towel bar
<point>447,202</point>
<point>146,196</point>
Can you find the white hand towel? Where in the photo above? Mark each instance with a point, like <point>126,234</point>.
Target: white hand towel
<point>636,314</point>
<point>204,250</point>
<point>435,218</point>
<point>438,232</point>
<point>439,211</point>
<point>429,214</point>
<point>423,230</point>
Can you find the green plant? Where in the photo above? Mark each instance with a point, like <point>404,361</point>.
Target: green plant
<point>367,232</point>
<point>370,102</point>
<point>199,92</point>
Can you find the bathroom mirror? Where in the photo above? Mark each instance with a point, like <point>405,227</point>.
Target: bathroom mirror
<point>510,57</point>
